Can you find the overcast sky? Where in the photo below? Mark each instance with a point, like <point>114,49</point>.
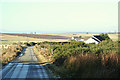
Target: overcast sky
<point>59,16</point>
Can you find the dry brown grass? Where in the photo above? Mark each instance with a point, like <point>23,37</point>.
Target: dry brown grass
<point>114,37</point>
<point>10,53</point>
<point>43,54</point>
<point>110,59</point>
<point>80,60</point>
<point>90,65</point>
<point>38,53</point>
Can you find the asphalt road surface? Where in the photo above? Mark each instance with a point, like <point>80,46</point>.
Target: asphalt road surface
<point>24,67</point>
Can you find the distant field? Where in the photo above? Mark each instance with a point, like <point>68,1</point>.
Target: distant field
<point>114,37</point>
<point>71,35</point>
<point>9,39</point>
<point>40,36</point>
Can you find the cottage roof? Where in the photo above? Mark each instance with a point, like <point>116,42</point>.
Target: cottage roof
<point>98,37</point>
<point>75,37</point>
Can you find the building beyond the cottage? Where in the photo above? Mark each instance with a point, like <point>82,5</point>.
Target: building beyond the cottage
<point>94,39</point>
<point>75,38</point>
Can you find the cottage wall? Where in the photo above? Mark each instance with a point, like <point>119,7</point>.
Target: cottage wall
<point>90,40</point>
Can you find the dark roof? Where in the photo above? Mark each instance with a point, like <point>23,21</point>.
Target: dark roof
<point>99,37</point>
<point>95,39</point>
<point>75,37</point>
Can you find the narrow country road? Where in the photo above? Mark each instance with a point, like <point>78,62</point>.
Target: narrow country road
<point>24,67</point>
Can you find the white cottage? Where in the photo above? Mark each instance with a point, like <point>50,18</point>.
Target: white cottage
<point>94,39</point>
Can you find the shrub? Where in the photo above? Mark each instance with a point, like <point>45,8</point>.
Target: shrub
<point>10,53</point>
<point>14,43</point>
<point>90,65</point>
<point>27,44</point>
<point>86,60</point>
<point>38,43</point>
<point>32,43</point>
<point>105,36</point>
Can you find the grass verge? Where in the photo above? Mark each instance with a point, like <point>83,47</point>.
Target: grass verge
<point>45,62</point>
<point>10,53</point>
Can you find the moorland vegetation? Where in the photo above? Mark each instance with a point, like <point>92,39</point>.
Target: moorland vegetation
<point>80,60</point>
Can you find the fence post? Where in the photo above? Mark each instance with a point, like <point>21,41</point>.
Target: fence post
<point>52,51</point>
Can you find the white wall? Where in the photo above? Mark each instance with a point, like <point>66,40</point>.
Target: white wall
<point>90,40</point>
